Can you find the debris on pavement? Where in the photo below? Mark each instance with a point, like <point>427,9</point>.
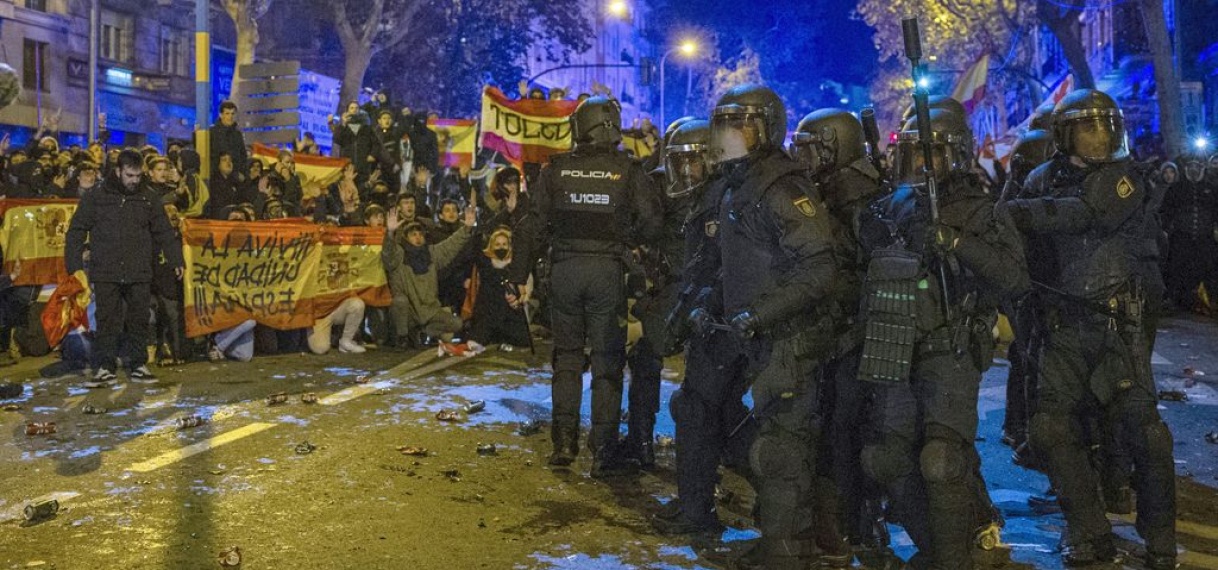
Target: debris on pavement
<point>1173,396</point>
<point>40,428</point>
<point>11,390</point>
<point>11,408</point>
<point>531,427</point>
<point>305,448</point>
<point>413,451</point>
<point>190,422</point>
<point>308,398</point>
<point>475,406</point>
<point>1190,372</point>
<point>1212,437</point>
<point>452,474</point>
<point>362,379</point>
<point>485,449</point>
<point>92,410</point>
<point>277,398</point>
<point>230,557</point>
<point>449,416</point>
<point>40,510</point>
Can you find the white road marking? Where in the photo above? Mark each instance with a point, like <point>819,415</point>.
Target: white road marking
<point>171,457</point>
<point>1156,358</point>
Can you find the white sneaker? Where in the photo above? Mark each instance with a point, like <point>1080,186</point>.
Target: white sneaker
<point>350,346</point>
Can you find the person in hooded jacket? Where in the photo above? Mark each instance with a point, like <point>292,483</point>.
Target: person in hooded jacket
<point>412,267</point>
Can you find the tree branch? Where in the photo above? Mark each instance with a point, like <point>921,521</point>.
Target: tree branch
<point>342,24</point>
<point>405,25</point>
<point>374,22</point>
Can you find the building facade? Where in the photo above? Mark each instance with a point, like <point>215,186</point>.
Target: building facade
<point>145,75</point>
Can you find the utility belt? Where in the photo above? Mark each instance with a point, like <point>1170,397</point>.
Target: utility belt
<point>973,335</point>
<point>1121,310</point>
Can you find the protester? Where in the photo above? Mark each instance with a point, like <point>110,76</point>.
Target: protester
<point>226,138</point>
<point>494,305</point>
<point>411,267</point>
<point>349,315</point>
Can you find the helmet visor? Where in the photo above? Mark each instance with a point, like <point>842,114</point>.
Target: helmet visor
<point>685,169</point>
<point>809,149</point>
<point>1096,139</point>
<point>908,161</point>
<point>735,133</point>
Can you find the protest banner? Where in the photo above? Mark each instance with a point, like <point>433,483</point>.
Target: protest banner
<point>33,234</point>
<point>456,139</point>
<point>282,274</point>
<point>528,130</point>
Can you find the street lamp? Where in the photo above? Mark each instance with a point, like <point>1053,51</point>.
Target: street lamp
<point>687,48</point>
<point>619,8</point>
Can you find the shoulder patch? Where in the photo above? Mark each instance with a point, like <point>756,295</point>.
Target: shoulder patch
<point>712,228</point>
<point>1124,187</point>
<point>805,206</point>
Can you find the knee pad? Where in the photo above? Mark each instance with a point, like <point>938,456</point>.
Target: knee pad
<point>885,464</point>
<point>942,461</point>
<point>1049,431</point>
<point>777,458</point>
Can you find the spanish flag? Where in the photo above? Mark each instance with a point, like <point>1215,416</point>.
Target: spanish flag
<point>528,130</point>
<point>33,234</point>
<point>320,170</point>
<point>970,90</point>
<point>457,140</point>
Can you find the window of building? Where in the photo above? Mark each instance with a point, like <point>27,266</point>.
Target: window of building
<point>173,46</point>
<point>40,5</point>
<point>117,36</point>
<point>34,65</point>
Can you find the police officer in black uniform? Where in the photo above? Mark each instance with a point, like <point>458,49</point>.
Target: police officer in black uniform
<point>779,271</point>
<point>1190,214</point>
<point>593,206</point>
<point>713,424</point>
<point>1032,149</point>
<point>661,265</point>
<point>931,298</point>
<point>831,143</point>
<point>1092,209</point>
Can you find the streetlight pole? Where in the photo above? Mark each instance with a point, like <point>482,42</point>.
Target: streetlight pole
<point>203,86</point>
<point>663,125</point>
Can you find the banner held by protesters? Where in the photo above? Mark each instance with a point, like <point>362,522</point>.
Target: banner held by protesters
<point>33,235</point>
<point>528,130</point>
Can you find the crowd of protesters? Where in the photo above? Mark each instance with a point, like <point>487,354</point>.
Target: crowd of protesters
<point>452,240</point>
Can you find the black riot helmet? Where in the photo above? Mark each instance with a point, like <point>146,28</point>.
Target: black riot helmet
<point>1031,149</point>
<point>747,120</point>
<point>828,140</point>
<point>686,164</point>
<point>944,103</point>
<point>951,147</point>
<point>1088,124</point>
<point>1042,117</point>
<point>597,121</point>
<point>673,126</point>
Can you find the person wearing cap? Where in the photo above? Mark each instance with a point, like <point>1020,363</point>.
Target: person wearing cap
<point>412,267</point>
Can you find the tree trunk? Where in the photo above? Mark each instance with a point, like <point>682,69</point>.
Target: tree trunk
<point>1167,84</point>
<point>1065,28</point>
<point>357,58</point>
<point>247,39</point>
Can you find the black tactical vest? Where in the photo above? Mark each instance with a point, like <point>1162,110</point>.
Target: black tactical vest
<point>590,202</point>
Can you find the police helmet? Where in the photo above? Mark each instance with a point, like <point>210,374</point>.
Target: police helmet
<point>1088,124</point>
<point>597,120</point>
<point>951,148</point>
<point>686,165</point>
<point>828,140</point>
<point>748,119</point>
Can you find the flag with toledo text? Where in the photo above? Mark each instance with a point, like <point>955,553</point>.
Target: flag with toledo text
<point>527,130</point>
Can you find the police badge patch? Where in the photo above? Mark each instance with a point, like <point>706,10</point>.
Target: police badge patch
<point>1124,188</point>
<point>805,207</point>
<point>712,228</point>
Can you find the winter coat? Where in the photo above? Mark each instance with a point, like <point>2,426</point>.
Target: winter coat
<point>125,233</point>
<point>421,291</point>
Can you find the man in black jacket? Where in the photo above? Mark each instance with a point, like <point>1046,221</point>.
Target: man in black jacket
<point>227,138</point>
<point>126,228</point>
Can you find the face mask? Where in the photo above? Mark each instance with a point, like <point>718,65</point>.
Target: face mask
<point>501,253</point>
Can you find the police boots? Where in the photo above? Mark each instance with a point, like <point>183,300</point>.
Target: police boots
<point>566,445</point>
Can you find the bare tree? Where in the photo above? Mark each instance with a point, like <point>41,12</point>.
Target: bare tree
<point>1167,83</point>
<point>366,27</point>
<point>1062,21</point>
<point>244,14</point>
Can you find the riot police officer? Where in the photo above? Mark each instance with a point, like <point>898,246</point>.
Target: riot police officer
<point>713,424</point>
<point>930,302</point>
<point>1092,210</point>
<point>779,270</point>
<point>662,266</point>
<point>831,143</point>
<point>1032,149</point>
<point>593,206</point>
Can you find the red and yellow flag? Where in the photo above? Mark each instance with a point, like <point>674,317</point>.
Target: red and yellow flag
<point>285,274</point>
<point>970,90</point>
<point>34,233</point>
<point>528,130</point>
<point>320,170</point>
<point>457,140</point>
